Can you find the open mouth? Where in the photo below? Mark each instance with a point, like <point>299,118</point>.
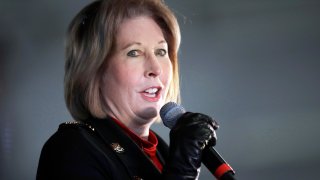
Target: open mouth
<point>152,92</point>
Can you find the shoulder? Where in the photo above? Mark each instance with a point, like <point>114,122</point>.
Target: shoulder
<point>68,153</point>
<point>68,138</point>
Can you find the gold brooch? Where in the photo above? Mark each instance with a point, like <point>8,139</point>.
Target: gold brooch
<point>137,178</point>
<point>117,148</point>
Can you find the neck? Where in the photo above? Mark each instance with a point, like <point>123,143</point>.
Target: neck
<point>139,126</point>
<point>141,130</point>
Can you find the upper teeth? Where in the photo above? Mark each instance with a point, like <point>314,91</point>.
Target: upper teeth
<point>151,90</point>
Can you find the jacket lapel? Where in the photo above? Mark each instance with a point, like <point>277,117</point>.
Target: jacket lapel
<point>129,153</point>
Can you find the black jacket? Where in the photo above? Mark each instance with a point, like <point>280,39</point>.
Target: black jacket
<point>96,150</point>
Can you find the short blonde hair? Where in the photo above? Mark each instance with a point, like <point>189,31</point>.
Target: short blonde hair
<point>91,40</point>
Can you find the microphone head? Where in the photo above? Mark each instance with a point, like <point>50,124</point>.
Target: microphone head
<point>170,113</point>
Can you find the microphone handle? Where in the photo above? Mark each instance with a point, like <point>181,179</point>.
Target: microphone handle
<point>217,165</point>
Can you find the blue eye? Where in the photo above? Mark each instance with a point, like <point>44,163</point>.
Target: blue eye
<point>161,52</point>
<point>133,53</point>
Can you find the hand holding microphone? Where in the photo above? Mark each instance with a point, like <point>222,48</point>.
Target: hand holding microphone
<point>192,136</point>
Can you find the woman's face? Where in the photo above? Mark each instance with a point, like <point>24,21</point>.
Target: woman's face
<point>137,76</point>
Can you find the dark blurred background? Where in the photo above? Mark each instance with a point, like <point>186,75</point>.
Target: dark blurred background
<point>253,65</point>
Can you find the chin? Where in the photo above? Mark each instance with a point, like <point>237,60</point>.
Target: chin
<point>149,113</point>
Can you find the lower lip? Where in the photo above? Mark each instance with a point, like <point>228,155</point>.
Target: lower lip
<point>150,99</point>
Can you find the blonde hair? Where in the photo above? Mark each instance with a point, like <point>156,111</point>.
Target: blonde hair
<point>90,42</point>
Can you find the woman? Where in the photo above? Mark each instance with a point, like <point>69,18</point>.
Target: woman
<point>121,68</point>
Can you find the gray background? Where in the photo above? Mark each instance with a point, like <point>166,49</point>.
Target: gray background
<point>253,65</point>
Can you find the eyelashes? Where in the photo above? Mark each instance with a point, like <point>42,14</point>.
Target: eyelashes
<point>137,53</point>
<point>134,53</point>
<point>161,52</point>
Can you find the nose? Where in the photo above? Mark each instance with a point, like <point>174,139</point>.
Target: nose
<point>153,67</point>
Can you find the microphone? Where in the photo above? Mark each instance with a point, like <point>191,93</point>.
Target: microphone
<point>170,113</point>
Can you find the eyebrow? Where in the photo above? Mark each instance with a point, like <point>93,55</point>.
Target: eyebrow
<point>139,44</point>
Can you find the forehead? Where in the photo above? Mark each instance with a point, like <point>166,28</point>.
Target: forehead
<point>141,29</point>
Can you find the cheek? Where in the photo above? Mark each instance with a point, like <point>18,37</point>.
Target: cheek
<point>114,80</point>
<point>167,72</point>
<point>127,80</point>
<point>124,74</point>
<point>119,74</point>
